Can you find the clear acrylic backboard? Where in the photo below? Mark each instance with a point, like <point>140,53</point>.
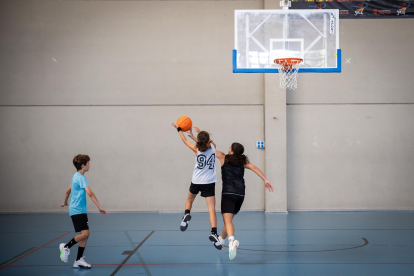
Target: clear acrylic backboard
<point>264,35</point>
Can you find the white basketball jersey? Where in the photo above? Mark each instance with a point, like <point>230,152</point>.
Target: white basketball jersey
<point>205,167</point>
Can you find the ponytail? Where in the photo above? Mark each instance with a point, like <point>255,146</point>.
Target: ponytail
<point>237,158</point>
<point>202,141</point>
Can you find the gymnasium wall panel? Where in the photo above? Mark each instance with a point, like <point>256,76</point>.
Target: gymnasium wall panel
<point>122,52</point>
<point>138,161</point>
<point>350,157</point>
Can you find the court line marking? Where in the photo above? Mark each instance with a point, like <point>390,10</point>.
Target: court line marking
<point>147,272</point>
<point>251,245</point>
<point>256,250</point>
<point>161,264</point>
<point>280,229</point>
<point>130,255</point>
<point>277,229</point>
<point>3,267</point>
<point>93,246</point>
<point>16,256</point>
<point>244,245</point>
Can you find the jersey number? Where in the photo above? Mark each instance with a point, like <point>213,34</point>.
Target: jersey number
<point>203,162</point>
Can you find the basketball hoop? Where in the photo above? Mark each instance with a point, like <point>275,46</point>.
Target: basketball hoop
<point>288,69</point>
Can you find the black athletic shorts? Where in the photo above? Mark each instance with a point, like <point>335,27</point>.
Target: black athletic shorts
<point>231,203</point>
<point>206,190</point>
<point>80,222</point>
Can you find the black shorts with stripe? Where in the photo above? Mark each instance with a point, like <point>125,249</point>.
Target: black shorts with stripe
<point>231,203</point>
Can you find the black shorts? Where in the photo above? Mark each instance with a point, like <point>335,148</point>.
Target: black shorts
<point>231,203</point>
<point>80,222</point>
<point>206,190</point>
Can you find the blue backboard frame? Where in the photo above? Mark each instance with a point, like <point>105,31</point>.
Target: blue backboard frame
<point>301,70</point>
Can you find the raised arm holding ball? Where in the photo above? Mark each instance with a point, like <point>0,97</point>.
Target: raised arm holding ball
<point>204,176</point>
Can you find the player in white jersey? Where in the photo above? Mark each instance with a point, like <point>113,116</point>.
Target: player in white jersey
<point>204,180</point>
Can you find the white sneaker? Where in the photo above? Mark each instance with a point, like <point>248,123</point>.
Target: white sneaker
<point>64,252</point>
<point>233,249</point>
<point>81,263</point>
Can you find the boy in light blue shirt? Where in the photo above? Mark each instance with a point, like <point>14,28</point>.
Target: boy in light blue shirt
<point>78,210</point>
<point>78,195</point>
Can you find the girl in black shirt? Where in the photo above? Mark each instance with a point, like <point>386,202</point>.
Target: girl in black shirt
<point>232,173</point>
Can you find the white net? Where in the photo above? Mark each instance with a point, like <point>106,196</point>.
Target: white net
<point>288,69</point>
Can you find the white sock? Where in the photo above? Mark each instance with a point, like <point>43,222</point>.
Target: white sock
<point>231,238</point>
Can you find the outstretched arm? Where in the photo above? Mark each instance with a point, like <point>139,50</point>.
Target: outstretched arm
<point>191,133</point>
<point>65,201</point>
<point>188,143</point>
<point>192,136</point>
<point>197,129</point>
<point>252,167</point>
<point>221,156</point>
<point>95,200</point>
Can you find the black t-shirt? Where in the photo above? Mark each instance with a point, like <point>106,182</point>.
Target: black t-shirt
<point>233,179</point>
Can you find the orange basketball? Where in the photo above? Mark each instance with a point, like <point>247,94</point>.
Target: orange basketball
<point>184,123</point>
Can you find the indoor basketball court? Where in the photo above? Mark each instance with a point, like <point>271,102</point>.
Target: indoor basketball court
<point>206,138</point>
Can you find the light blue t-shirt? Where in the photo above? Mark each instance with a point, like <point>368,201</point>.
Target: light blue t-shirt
<point>78,195</point>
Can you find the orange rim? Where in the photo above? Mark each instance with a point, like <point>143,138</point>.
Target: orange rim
<point>287,63</point>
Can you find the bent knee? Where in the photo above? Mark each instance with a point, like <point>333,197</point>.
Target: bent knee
<point>85,234</point>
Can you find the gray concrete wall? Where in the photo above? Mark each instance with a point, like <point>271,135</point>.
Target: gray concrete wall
<point>107,79</point>
<point>122,52</point>
<point>350,135</point>
<point>138,161</point>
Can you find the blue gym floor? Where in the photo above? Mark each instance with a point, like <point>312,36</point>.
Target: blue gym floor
<point>297,243</point>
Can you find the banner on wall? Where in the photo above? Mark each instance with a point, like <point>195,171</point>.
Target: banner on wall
<point>351,9</point>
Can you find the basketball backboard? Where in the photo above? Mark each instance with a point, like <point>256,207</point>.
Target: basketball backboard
<point>264,35</point>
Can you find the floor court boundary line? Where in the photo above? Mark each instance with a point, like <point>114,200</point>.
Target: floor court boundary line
<point>11,259</point>
<point>8,265</point>
<point>292,251</point>
<point>164,264</point>
<point>147,272</point>
<point>306,251</point>
<point>131,254</point>
<point>163,230</point>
